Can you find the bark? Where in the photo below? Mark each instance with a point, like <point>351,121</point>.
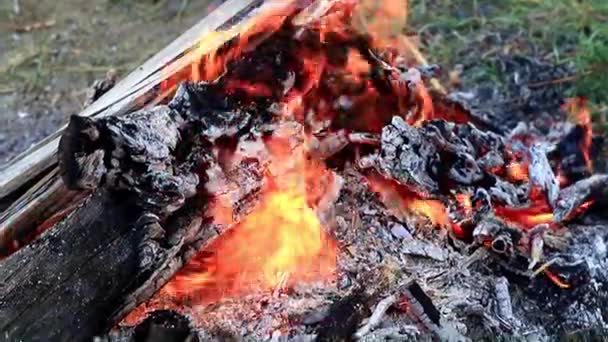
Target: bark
<point>78,279</point>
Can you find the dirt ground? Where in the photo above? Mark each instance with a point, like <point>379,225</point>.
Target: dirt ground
<point>51,51</point>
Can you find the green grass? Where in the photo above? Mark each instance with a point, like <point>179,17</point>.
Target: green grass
<point>563,30</point>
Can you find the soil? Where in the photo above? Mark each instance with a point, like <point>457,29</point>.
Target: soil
<point>67,45</point>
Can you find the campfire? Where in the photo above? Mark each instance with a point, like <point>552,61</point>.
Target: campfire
<point>305,181</point>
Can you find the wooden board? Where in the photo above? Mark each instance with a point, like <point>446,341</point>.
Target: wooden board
<point>132,93</point>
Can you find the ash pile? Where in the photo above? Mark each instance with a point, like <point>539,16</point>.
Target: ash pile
<point>416,217</point>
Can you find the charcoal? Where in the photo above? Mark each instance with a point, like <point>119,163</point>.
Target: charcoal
<point>422,306</point>
<point>537,244</point>
<point>480,140</point>
<point>445,136</point>
<point>144,136</point>
<point>572,197</point>
<point>194,99</point>
<point>503,299</point>
<point>407,156</point>
<point>502,243</point>
<point>344,318</point>
<point>482,201</point>
<point>423,157</point>
<point>100,87</point>
<point>215,116</point>
<point>488,228</point>
<point>508,193</point>
<point>421,248</point>
<point>135,152</point>
<point>400,232</point>
<point>159,326</point>
<point>541,174</point>
<point>491,160</point>
<point>224,124</point>
<point>465,170</point>
<point>325,147</point>
<point>164,326</point>
<point>91,170</point>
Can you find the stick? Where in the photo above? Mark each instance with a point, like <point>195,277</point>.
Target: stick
<point>377,316</point>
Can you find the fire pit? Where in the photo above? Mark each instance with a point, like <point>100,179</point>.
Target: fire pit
<point>302,182</point>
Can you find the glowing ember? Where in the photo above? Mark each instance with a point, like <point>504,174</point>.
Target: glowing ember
<point>526,217</point>
<point>517,172</point>
<point>404,202</point>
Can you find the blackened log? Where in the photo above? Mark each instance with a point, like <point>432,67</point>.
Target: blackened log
<point>80,278</point>
<point>136,231</point>
<point>22,220</point>
<point>47,196</point>
<point>74,281</point>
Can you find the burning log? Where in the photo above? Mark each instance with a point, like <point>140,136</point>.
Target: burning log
<point>48,195</point>
<point>116,233</point>
<point>104,242</point>
<point>134,233</point>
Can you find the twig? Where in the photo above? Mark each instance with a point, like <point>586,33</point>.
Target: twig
<point>376,317</point>
<point>41,25</point>
<point>503,298</point>
<point>18,60</point>
<point>6,90</point>
<point>479,254</point>
<point>555,81</point>
<point>16,7</point>
<point>422,60</point>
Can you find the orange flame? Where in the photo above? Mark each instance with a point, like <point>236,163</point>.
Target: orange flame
<point>208,59</point>
<point>281,242</point>
<point>403,201</point>
<point>465,201</point>
<point>385,20</point>
<point>579,113</point>
<point>527,217</point>
<point>517,172</point>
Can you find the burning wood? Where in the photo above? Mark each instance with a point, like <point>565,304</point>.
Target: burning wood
<point>304,164</point>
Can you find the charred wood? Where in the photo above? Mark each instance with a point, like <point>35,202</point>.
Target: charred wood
<point>159,326</point>
<point>343,318</point>
<point>136,231</point>
<point>578,193</point>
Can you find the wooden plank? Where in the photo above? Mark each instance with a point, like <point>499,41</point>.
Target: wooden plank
<point>125,96</point>
<point>121,97</point>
